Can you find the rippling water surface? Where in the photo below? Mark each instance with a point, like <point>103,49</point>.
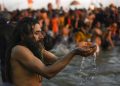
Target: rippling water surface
<point>105,71</point>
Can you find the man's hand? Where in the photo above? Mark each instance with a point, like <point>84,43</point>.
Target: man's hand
<point>85,49</point>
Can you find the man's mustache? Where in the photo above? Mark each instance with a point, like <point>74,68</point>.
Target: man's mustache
<point>41,42</point>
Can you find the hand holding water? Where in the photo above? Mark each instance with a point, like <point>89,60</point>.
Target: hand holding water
<point>85,49</point>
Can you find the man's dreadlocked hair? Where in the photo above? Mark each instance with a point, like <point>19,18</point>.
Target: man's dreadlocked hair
<point>6,31</point>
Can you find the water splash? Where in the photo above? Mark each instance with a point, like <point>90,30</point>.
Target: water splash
<point>83,74</point>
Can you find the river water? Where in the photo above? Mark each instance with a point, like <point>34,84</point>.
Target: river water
<point>105,71</point>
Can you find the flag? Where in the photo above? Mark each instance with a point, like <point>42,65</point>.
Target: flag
<point>58,3</point>
<point>30,1</point>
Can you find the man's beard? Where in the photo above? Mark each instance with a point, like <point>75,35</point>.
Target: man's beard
<point>35,46</point>
<point>40,43</point>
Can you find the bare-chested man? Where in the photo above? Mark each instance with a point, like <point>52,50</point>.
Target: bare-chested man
<point>28,61</point>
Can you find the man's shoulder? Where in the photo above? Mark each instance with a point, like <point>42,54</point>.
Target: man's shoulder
<point>19,50</point>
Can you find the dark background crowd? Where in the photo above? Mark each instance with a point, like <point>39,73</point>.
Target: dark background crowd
<point>99,25</point>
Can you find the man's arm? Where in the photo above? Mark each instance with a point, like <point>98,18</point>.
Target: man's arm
<point>26,58</point>
<point>49,57</point>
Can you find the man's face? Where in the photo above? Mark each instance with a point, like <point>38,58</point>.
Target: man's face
<point>37,33</point>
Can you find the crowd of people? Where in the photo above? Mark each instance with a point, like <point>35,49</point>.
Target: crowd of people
<point>100,26</point>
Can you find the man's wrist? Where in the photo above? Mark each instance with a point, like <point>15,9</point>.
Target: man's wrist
<point>75,52</point>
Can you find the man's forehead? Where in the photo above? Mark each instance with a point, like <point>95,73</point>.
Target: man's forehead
<point>36,27</point>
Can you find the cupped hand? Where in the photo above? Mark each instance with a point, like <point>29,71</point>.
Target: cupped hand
<point>86,49</point>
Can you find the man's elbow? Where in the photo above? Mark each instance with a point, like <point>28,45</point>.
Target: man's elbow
<point>49,76</point>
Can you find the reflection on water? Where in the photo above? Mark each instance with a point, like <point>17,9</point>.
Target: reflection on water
<point>105,71</point>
